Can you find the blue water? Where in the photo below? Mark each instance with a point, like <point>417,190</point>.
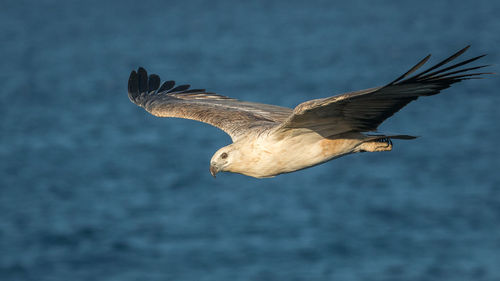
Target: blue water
<point>94,188</point>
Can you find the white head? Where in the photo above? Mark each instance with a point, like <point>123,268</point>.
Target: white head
<point>223,159</point>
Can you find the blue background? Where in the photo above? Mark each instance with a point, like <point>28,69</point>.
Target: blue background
<point>94,188</point>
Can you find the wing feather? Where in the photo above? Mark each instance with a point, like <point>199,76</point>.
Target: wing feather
<point>365,110</point>
<point>235,117</point>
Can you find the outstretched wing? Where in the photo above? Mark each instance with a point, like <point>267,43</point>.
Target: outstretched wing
<point>365,110</point>
<point>234,117</point>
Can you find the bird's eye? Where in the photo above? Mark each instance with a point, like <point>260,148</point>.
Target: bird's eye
<point>223,155</point>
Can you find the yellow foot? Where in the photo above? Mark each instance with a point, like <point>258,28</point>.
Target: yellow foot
<point>373,146</point>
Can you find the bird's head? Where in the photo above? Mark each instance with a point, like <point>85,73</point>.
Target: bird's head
<point>223,159</point>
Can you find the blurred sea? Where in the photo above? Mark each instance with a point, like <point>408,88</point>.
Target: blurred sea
<point>94,188</point>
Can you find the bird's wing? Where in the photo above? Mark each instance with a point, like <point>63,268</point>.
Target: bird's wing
<point>365,110</point>
<point>233,116</point>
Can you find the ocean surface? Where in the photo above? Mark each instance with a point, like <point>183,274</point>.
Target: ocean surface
<point>94,188</point>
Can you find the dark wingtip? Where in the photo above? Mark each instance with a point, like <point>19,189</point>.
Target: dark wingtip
<point>413,69</point>
<point>436,73</point>
<point>443,62</point>
<point>133,85</point>
<point>153,82</point>
<point>432,75</point>
<point>167,85</point>
<point>140,84</point>
<point>143,79</point>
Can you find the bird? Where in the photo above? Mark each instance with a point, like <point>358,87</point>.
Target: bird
<point>269,140</point>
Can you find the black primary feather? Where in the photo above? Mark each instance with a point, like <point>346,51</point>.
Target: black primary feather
<point>413,69</point>
<point>133,84</point>
<point>143,80</point>
<point>167,85</point>
<point>153,82</point>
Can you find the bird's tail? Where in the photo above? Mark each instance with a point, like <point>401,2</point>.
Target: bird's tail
<point>376,137</point>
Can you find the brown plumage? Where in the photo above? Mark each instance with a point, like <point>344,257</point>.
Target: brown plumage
<point>269,140</point>
<point>233,116</point>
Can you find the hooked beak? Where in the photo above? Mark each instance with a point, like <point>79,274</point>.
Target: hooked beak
<point>213,170</point>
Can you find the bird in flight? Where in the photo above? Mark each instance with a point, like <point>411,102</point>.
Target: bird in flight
<point>269,140</point>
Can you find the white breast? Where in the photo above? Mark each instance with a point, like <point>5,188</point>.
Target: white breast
<point>268,157</point>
